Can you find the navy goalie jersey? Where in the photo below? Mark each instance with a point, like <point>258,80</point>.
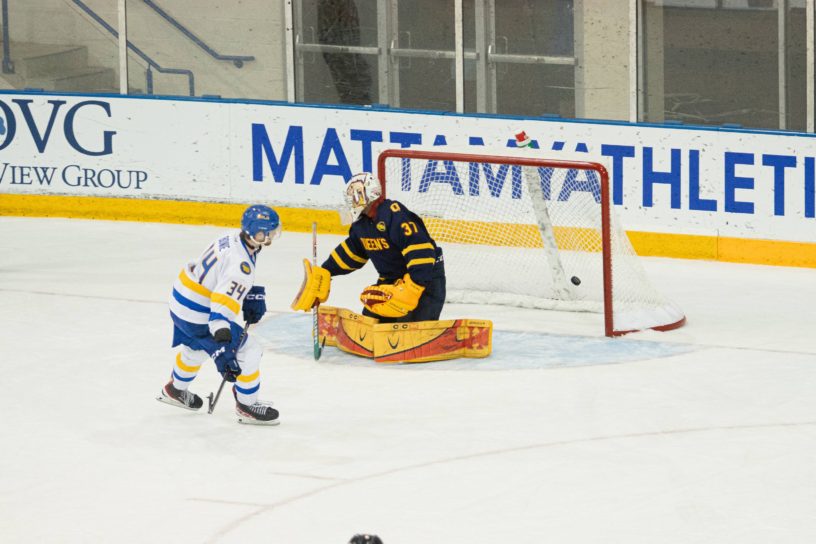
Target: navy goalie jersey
<point>396,241</point>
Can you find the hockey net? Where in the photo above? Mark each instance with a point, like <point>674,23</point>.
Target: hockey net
<point>526,231</point>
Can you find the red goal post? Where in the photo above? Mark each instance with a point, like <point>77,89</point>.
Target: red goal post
<point>528,231</point>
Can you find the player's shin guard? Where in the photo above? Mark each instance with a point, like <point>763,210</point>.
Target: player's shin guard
<point>188,363</point>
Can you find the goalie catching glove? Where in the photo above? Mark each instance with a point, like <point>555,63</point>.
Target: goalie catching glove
<point>315,288</point>
<point>395,300</point>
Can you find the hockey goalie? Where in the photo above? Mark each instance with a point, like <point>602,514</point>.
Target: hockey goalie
<point>400,316</point>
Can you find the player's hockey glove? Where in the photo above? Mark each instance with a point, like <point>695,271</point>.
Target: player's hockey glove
<point>254,304</point>
<point>392,300</point>
<point>224,356</point>
<point>315,287</point>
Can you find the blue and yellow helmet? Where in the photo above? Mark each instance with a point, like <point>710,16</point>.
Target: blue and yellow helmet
<point>261,224</point>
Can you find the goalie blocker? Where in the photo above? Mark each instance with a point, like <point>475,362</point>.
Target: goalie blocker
<point>414,342</point>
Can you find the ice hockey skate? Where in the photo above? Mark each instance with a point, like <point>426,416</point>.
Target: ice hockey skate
<point>260,413</point>
<point>179,397</point>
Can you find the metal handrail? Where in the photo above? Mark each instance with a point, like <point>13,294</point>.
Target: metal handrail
<point>151,64</point>
<point>431,54</point>
<point>8,66</point>
<point>237,60</point>
<point>531,59</point>
<point>331,48</point>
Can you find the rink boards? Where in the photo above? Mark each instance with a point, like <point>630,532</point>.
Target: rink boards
<point>726,194</point>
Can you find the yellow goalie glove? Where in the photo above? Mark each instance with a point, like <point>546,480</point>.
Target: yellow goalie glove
<point>315,287</point>
<point>392,300</point>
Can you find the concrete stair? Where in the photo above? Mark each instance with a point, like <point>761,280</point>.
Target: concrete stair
<point>57,68</point>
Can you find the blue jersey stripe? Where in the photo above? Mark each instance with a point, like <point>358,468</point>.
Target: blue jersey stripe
<point>215,316</point>
<point>195,330</point>
<point>189,303</point>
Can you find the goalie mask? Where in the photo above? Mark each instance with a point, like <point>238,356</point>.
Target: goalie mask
<point>260,225</point>
<point>362,190</point>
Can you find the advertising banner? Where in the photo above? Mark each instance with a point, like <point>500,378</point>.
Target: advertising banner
<point>696,181</point>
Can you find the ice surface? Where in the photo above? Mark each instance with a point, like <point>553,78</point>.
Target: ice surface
<point>704,434</point>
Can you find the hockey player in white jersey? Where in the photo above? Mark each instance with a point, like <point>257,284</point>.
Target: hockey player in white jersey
<point>208,295</point>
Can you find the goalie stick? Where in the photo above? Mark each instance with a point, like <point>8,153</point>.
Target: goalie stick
<point>211,402</point>
<point>318,347</point>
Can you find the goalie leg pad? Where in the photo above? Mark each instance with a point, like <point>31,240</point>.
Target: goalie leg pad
<point>315,287</point>
<point>417,342</point>
<point>426,341</point>
<point>327,323</point>
<point>346,330</point>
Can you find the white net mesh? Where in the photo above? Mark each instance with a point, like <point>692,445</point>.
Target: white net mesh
<point>526,232</point>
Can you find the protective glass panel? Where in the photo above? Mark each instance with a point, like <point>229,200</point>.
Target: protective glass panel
<point>539,78</point>
<point>60,46</point>
<point>523,89</point>
<point>207,47</point>
<point>795,67</point>
<point>424,62</point>
<point>716,62</point>
<point>331,67</point>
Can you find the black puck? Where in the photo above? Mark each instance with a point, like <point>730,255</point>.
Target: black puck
<point>575,280</point>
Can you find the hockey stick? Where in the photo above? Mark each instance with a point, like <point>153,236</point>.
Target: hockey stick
<point>318,347</point>
<point>211,402</point>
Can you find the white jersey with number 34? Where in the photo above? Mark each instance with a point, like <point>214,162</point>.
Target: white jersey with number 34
<point>211,289</point>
